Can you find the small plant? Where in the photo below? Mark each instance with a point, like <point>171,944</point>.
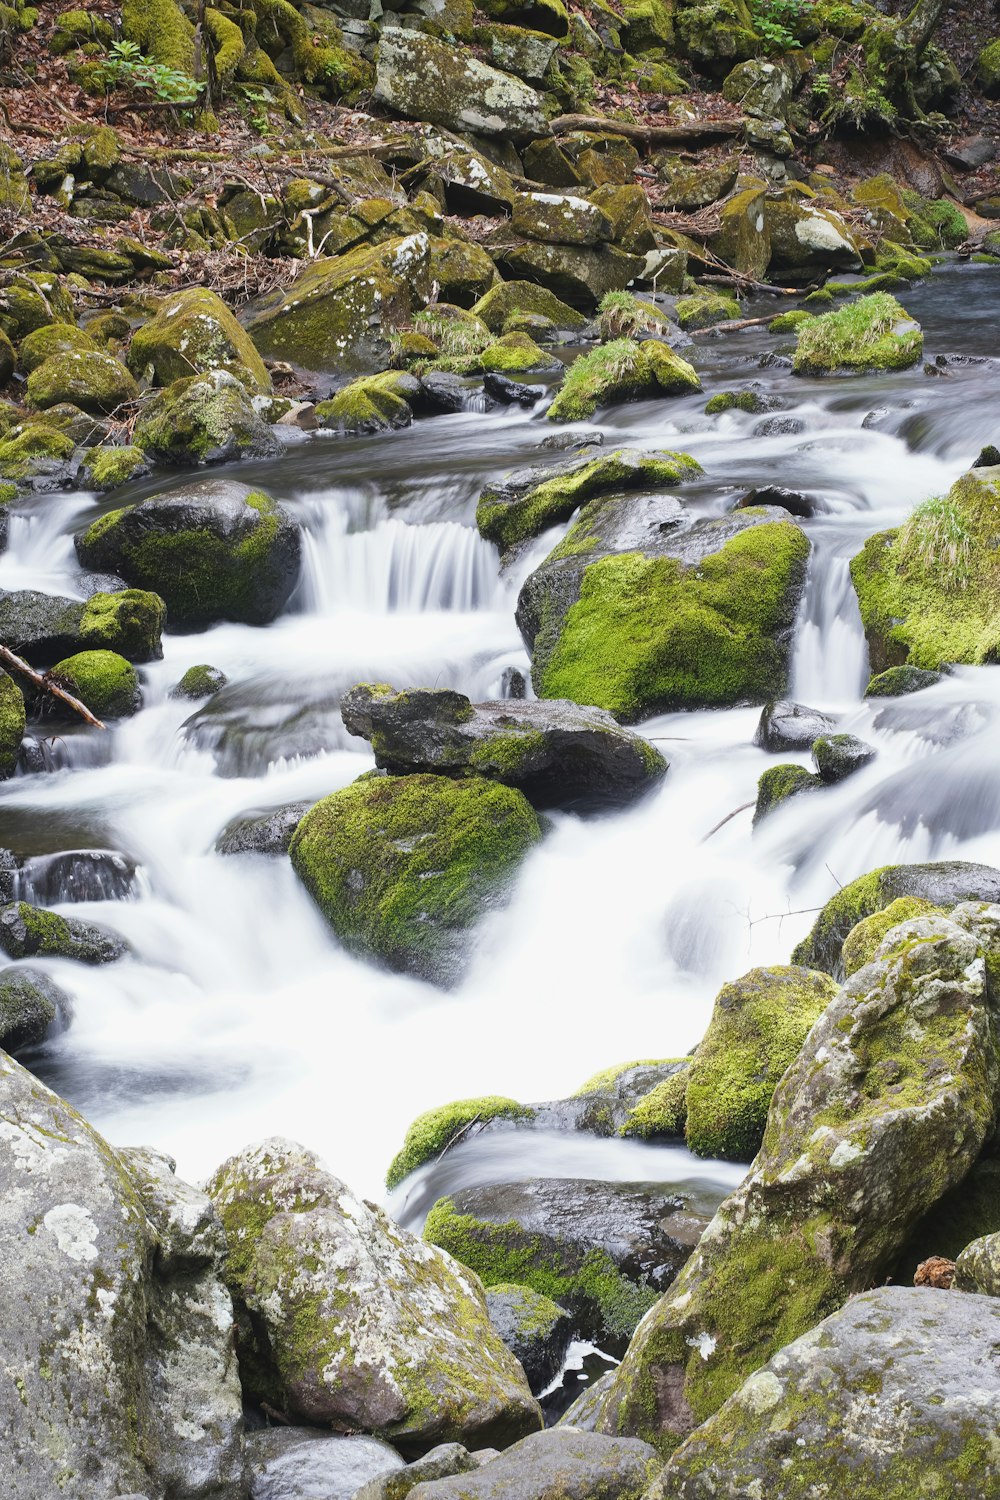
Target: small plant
<point>936,536</point>
<point>126,67</point>
<point>772,20</point>
<point>623,316</point>
<point>455,337</point>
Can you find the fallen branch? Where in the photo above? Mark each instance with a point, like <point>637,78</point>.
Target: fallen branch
<point>459,1133</point>
<point>47,684</point>
<point>729,816</point>
<point>650,135</point>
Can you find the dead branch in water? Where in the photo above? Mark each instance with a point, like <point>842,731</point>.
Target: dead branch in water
<point>47,684</point>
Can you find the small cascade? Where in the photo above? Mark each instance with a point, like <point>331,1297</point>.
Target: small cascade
<point>40,552</point>
<point>830,655</point>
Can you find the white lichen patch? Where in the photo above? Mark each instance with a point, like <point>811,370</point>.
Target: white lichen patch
<point>75,1231</point>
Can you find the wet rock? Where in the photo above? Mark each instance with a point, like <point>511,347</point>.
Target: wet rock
<point>443,392</point>
<point>510,299</point>
<point>511,392</point>
<point>440,1463</point>
<point>194,331</point>
<point>27,931</point>
<point>778,784</point>
<point>838,755</point>
<point>200,682</point>
<point>265,833</point>
<point>76,875</point>
<point>346,1320</point>
<point>422,78</point>
<point>853,1154</point>
<point>584,1411</point>
<point>556,1465</point>
<point>971,152</point>
<point>790,726</point>
<point>778,426</point>
<point>298,1463</point>
<point>562,442</point>
<point>605,1251</point>
<point>535,1329</point>
<point>204,419</point>
<point>40,627</point>
<point>45,627</point>
<point>373,403</point>
<point>556,753</point>
<point>403,867</point>
<point>794,501</point>
<point>31,1006</point>
<point>214,550</point>
<point>102,680</point>
<point>889,1395</point>
<point>894,682</point>
<point>513,684</point>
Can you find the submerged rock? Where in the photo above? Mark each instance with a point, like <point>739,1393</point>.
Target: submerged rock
<point>27,931</point>
<point>555,753</point>
<point>790,726</point>
<point>347,1321</point>
<point>557,1465</point>
<point>200,682</point>
<point>778,784</point>
<point>837,756</point>
<point>896,682</point>
<point>535,1329</point>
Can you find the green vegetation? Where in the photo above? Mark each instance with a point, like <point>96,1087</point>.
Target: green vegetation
<point>621,371</point>
<point>130,622</point>
<point>103,680</point>
<point>663,1111</point>
<point>874,333</point>
<point>12,721</point>
<point>862,942</point>
<point>778,783</point>
<point>126,68</point>
<point>623,315</point>
<point>433,1132</point>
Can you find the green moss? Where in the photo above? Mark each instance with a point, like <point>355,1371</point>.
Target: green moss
<point>623,315</point>
<point>201,681</point>
<point>874,333</point>
<point>778,783</point>
<point>621,371</point>
<point>12,721</point>
<point>402,867</point>
<point>649,634</point>
<point>507,756</point>
<point>758,1026</point>
<point>431,1133</point>
<point>704,309</point>
<point>193,331</point>
<point>509,297</point>
<point>862,942</point>
<point>162,31</point>
<point>54,338</point>
<point>375,403</point>
<point>91,380</point>
<point>512,354</point>
<point>31,446</point>
<point>47,935</point>
<point>108,468</point>
<point>897,259</point>
<point>600,1082</point>
<point>789,321</point>
<point>129,622</point>
<point>747,401</point>
<point>663,1111</point>
<point>859,899</point>
<point>103,680</point>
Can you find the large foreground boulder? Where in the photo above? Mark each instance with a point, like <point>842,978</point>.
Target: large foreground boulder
<point>640,609</point>
<point>347,1321</point>
<point>215,550</point>
<point>403,867</point>
<point>884,1110</point>
<point>563,1465</point>
<point>893,1396</point>
<point>426,79</point>
<point>117,1371</point>
<point>557,754</point>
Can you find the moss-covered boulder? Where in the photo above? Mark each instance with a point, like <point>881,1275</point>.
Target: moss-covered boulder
<point>863,941</point>
<point>35,456</point>
<point>622,370</point>
<point>758,1025</point>
<point>560,219</point>
<point>54,338</point>
<point>403,867</point>
<point>578,274</point>
<point>564,1464</point>
<point>191,332</point>
<point>688,185</point>
<point>661,1112</point>
<point>103,680</point>
<point>637,613</point>
<point>945,884</point>
<point>31,300</point>
<point>347,1321</point>
<point>874,333</point>
<point>436,1129</point>
<point>130,622</point>
<point>373,403</point>
<point>199,682</point>
<point>47,627</point>
<point>31,931</point>
<point>91,380</point>
<point>837,756</point>
<point>704,308</point>
<point>204,419</point>
<point>8,359</point>
<point>528,501</point>
<point>31,1006</point>
<point>779,783</point>
<point>605,1251</point>
<point>339,313</point>
<point>12,720</point>
<point>927,590</point>
<point>988,68</point>
<point>897,682</point>
<point>422,78</point>
<point>806,238</point>
<point>556,753</point>
<point>509,298</point>
<point>215,550</point>
<point>535,1329</point>
<point>106,469</point>
<point>883,1110</point>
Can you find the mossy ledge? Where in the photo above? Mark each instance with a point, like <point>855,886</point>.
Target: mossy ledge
<point>434,1131</point>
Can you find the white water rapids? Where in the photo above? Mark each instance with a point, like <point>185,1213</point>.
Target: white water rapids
<point>240,1016</point>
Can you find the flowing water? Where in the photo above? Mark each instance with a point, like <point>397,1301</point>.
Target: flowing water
<point>239,1015</point>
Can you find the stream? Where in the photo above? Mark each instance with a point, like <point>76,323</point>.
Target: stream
<point>239,1016</point>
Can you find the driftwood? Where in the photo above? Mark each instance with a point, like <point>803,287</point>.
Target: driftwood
<point>728,818</point>
<point>47,684</point>
<point>650,135</point>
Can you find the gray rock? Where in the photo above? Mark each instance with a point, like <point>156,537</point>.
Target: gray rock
<point>43,628</point>
<point>298,1463</point>
<point>557,1465</point>
<point>27,931</point>
<point>511,392</point>
<point>31,1006</point>
<point>264,833</point>
<point>794,501</point>
<point>971,152</point>
<point>838,755</point>
<point>117,1351</point>
<point>894,1394</point>
<point>535,1329</point>
<point>895,681</point>
<point>557,753</point>
<point>584,1411</point>
<point>778,784</point>
<point>790,726</point>
<point>977,1269</point>
<point>76,875</point>
<point>422,78</point>
<point>443,392</point>
<point>440,1463</point>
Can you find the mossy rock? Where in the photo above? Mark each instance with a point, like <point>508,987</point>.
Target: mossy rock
<point>194,331</point>
<point>690,185</point>
<point>578,274</point>
<point>748,401</point>
<point>31,1006</point>
<point>514,354</point>
<point>535,1329</point>
<point>91,380</point>
<point>627,207</point>
<point>12,721</point>
<point>374,403</point>
<point>662,1113</point>
<point>422,78</point>
<point>807,238</point>
<point>862,942</point>
<point>988,68</point>
<point>129,622</point>
<point>103,680</point>
<point>703,309</point>
<point>622,370</point>
<point>200,682</point>
<point>779,783</point>
<point>29,931</point>
<point>33,300</point>
<point>203,419</point>
<point>758,1026</point>
<point>37,456</point>
<point>8,359</point>
<point>433,1132</point>
<point>560,219</point>
<point>106,469</point>
<point>874,333</point>
<point>510,297</point>
<point>54,338</point>
<point>463,270</point>
<point>929,591</point>
<point>404,867</point>
<point>896,682</point>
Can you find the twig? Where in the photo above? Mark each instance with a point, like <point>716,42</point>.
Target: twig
<point>832,876</point>
<point>723,821</point>
<point>47,684</point>
<point>459,1134</point>
<point>779,916</point>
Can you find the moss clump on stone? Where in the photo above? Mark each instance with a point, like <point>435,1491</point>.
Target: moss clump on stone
<point>108,468</point>
<point>12,720</point>
<point>432,1132</point>
<point>200,682</point>
<point>778,783</point>
<point>621,371</point>
<point>788,322</point>
<point>130,622</point>
<point>192,331</point>
<point>103,680</point>
<point>402,867</point>
<point>54,338</point>
<point>748,401</point>
<point>663,1111</point>
<point>506,299</point>
<point>375,403</point>
<point>599,1083</point>
<point>93,381</point>
<point>703,309</point>
<point>514,353</point>
<point>29,930</point>
<point>758,1026</point>
<point>32,447</point>
<point>861,943</point>
<point>874,333</point>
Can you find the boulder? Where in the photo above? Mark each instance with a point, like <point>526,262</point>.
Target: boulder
<point>884,1109</point>
<point>874,333</point>
<point>12,722</point>
<point>535,1329</point>
<point>557,1465</point>
<point>299,1463</point>
<point>926,589</point>
<point>836,756</point>
<point>339,313</point>
<point>54,338</point>
<point>403,867</point>
<point>463,270</point>
<point>93,381</point>
<point>790,726</point>
<point>37,458</point>
<point>893,1395</point>
<point>434,1131</point>
<point>40,627</point>
<point>632,229</point>
<point>560,219</point>
<point>641,610</point>
<point>806,238</point>
<point>778,783</point>
<point>191,332</point>
<point>578,274</point>
<point>704,308</point>
<point>200,682</point>
<point>945,883</point>
<point>422,78</point>
<point>347,1321</point>
<point>622,370</point>
<point>758,1026</point>
<point>204,419</point>
<point>528,501</point>
<point>103,680</point>
<point>77,875</point>
<point>117,1347</point>
<point>689,185</point>
<point>896,682</point>
<point>109,467</point>
<point>214,550</point>
<point>372,403</point>
<point>31,1006</point>
<point>977,1269</point>
<point>263,833</point>
<point>865,938</point>
<point>29,931</point>
<point>603,1250</point>
<point>440,1463</point>
<point>557,754</point>
<point>510,298</point>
